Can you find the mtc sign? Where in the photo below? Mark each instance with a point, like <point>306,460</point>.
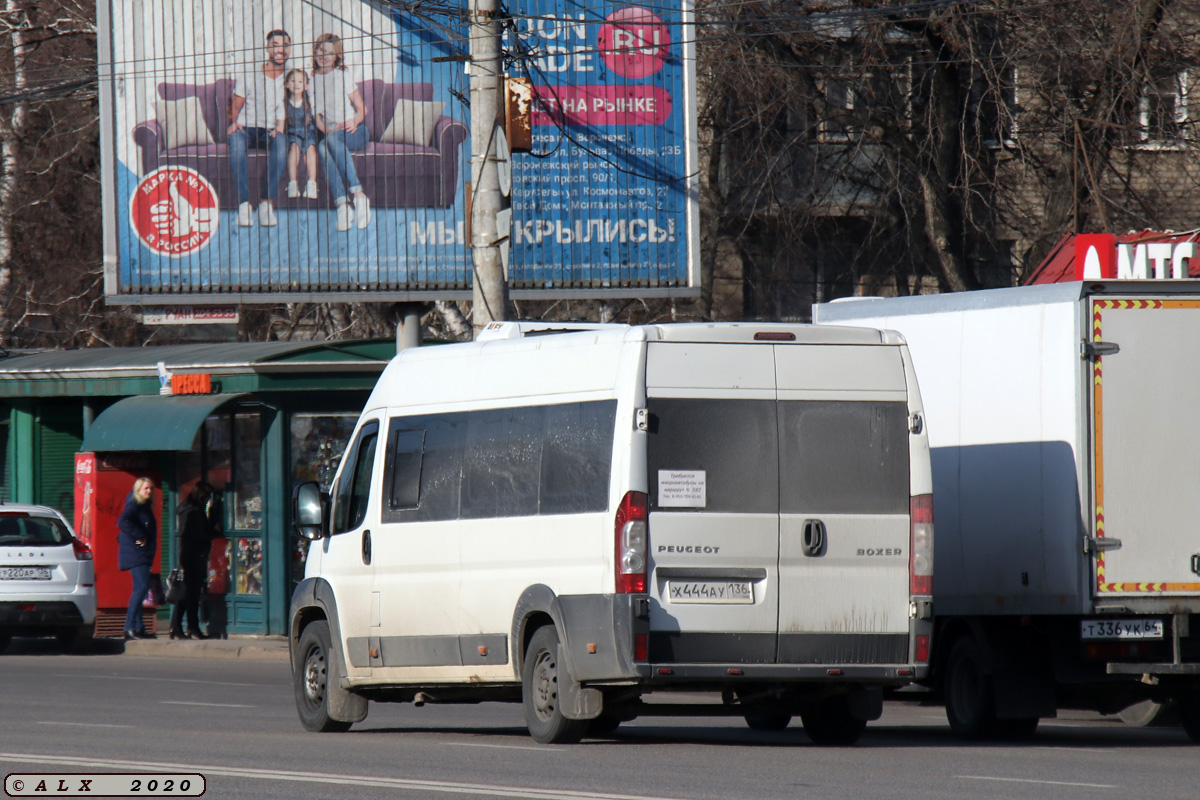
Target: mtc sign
<point>1099,256</point>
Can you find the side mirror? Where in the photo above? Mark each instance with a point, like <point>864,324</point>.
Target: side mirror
<point>309,506</point>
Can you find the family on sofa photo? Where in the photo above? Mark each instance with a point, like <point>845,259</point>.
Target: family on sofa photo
<point>290,133</point>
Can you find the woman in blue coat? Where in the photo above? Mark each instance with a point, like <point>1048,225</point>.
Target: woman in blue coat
<point>137,544</point>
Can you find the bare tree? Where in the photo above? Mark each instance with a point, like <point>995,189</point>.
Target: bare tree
<point>854,144</point>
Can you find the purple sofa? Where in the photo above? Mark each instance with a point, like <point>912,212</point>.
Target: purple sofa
<point>392,175</point>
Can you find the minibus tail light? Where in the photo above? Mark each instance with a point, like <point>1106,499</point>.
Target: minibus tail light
<point>632,541</point>
<point>920,545</point>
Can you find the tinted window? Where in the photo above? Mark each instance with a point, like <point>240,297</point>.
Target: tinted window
<point>577,457</point>
<point>502,464</point>
<point>840,457</point>
<point>436,474</point>
<point>732,441</point>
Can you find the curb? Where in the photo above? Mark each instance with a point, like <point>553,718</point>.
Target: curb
<point>252,648</point>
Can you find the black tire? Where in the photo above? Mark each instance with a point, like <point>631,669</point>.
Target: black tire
<point>768,721</point>
<point>311,680</point>
<point>539,689</point>
<point>828,722</point>
<point>970,702</point>
<point>5,638</point>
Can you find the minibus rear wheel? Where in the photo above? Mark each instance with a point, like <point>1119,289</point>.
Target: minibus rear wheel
<point>540,675</point>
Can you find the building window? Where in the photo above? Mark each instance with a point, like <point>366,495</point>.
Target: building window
<point>839,109</point>
<point>1162,117</point>
<point>997,109</point>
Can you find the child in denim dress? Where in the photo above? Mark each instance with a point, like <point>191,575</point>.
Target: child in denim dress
<point>295,119</point>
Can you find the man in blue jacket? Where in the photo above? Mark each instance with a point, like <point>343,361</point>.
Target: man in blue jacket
<point>138,542</point>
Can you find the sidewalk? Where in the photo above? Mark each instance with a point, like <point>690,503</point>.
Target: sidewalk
<point>257,648</point>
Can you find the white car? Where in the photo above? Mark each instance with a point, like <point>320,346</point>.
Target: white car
<point>47,580</point>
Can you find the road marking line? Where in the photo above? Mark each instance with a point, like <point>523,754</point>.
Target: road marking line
<point>161,680</point>
<point>505,747</point>
<point>213,705</point>
<point>83,724</point>
<point>1029,780</point>
<point>289,776</point>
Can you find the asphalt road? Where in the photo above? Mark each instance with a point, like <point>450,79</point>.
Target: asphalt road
<point>233,721</point>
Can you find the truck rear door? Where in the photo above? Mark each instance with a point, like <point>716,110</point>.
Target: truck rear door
<point>1145,430</point>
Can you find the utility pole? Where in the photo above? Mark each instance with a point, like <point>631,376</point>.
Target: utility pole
<point>490,287</point>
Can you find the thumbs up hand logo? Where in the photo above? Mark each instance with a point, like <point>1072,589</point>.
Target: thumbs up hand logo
<point>175,211</point>
<point>177,217</point>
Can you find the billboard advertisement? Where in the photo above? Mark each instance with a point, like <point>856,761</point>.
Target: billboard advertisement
<point>277,150</point>
<point>605,199</point>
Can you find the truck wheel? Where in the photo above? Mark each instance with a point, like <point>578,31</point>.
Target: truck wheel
<point>539,689</point>
<point>4,640</point>
<point>829,722</point>
<point>970,706</point>
<point>766,721</point>
<point>312,680</point>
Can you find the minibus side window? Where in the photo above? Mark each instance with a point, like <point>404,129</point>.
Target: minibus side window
<point>577,457</point>
<point>502,463</point>
<point>354,484</point>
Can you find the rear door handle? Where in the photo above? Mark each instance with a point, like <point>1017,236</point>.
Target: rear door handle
<point>813,544</point>
<point>366,547</point>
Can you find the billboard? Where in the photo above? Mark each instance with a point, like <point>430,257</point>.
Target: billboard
<point>278,150</point>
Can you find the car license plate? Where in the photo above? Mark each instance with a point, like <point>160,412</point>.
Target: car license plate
<point>1121,629</point>
<point>710,592</point>
<point>24,573</point>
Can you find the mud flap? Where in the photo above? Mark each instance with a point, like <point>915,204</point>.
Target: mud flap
<point>574,701</point>
<point>344,705</point>
<point>865,702</point>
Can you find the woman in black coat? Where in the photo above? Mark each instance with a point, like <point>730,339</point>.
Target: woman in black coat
<point>195,533</point>
<point>137,542</point>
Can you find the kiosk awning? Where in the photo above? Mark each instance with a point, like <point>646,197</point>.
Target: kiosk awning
<point>152,422</point>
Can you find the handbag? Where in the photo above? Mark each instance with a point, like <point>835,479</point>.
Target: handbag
<point>175,589</point>
<point>154,597</point>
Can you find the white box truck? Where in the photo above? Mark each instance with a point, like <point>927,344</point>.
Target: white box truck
<point>587,521</point>
<point>1065,443</point>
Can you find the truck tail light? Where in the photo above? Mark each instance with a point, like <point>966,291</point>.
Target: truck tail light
<point>920,545</point>
<point>82,551</point>
<point>632,540</point>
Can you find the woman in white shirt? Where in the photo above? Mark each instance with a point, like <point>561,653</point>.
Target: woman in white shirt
<point>339,112</point>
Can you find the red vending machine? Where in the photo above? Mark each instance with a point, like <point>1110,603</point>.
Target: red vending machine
<point>102,482</point>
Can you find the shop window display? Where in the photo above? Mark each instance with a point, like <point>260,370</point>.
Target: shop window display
<point>247,451</point>
<point>318,441</point>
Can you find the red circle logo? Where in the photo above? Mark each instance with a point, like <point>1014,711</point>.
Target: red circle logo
<point>634,42</point>
<point>174,211</point>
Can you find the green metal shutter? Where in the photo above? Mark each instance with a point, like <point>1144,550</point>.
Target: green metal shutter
<point>59,432</point>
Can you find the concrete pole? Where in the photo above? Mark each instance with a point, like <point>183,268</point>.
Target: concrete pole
<point>490,293</point>
<point>408,331</point>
